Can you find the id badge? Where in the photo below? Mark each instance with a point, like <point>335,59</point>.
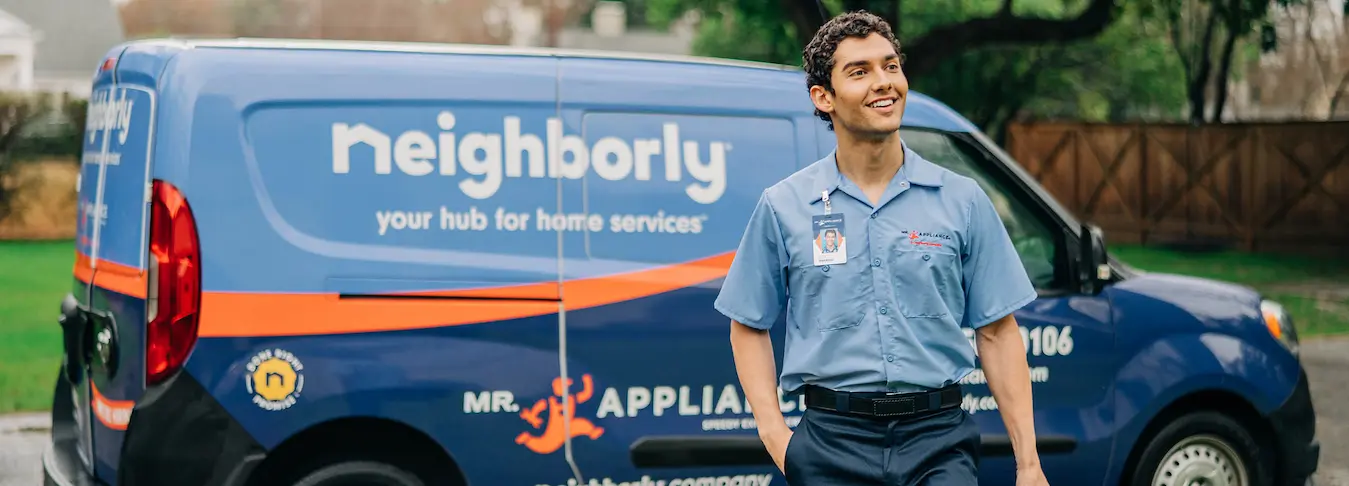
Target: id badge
<point>830,247</point>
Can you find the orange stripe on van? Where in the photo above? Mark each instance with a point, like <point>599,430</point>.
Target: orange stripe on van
<point>227,314</point>
<point>112,276</point>
<point>114,414</point>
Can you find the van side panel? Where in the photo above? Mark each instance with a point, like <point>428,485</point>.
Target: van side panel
<point>659,364</point>
<point>323,182</point>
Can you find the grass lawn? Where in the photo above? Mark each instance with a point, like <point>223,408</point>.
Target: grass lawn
<point>1314,290</point>
<point>38,274</point>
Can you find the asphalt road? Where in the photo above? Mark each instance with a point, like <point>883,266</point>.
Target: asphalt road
<point>22,436</point>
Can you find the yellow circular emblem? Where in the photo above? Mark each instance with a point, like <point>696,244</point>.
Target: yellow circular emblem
<point>275,378</point>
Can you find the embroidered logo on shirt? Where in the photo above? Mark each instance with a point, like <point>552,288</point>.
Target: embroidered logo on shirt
<point>925,238</point>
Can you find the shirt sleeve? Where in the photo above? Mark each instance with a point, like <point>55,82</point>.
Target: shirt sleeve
<point>754,292</point>
<point>995,283</point>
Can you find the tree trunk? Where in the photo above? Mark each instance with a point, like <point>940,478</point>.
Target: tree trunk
<point>1220,81</point>
<point>1199,83</point>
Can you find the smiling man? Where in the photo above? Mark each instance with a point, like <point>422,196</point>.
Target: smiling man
<point>874,336</point>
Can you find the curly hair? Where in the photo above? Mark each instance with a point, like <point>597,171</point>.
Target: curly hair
<point>818,56</point>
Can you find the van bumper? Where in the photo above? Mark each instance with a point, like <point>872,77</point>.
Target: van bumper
<point>1294,425</point>
<point>178,434</point>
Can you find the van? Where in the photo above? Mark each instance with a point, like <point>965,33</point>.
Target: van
<point>320,263</point>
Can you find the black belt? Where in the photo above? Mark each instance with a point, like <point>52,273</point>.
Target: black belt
<point>880,404</point>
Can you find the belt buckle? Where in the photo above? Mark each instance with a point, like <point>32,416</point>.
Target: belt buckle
<point>877,404</point>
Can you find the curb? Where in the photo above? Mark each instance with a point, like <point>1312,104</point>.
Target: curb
<point>25,422</point>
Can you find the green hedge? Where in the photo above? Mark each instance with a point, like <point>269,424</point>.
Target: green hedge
<point>36,126</point>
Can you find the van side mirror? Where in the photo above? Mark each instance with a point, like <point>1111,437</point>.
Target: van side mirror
<point>1093,267</point>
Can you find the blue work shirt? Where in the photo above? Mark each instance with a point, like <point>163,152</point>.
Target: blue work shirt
<point>932,256</point>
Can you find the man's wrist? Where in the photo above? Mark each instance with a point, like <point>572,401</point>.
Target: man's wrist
<point>773,428</point>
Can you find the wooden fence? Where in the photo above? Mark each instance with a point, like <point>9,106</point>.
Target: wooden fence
<point>1277,187</point>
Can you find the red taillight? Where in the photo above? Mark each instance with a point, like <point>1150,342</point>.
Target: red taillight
<point>175,284</point>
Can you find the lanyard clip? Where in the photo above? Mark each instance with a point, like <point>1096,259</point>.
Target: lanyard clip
<point>825,195</point>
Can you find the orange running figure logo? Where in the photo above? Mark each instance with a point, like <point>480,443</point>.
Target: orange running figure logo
<point>556,433</point>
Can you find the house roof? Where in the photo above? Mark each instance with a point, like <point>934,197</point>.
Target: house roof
<point>73,35</point>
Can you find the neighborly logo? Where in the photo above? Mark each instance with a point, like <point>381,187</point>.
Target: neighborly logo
<point>275,378</point>
<point>555,433</point>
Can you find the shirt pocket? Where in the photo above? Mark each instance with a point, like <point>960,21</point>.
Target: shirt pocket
<point>927,282</point>
<point>836,295</point>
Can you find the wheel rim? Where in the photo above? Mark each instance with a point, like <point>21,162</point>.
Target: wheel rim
<point>1202,460</point>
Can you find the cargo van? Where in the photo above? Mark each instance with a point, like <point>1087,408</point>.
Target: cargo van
<point>320,263</point>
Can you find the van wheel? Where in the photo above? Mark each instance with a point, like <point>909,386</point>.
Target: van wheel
<point>1204,449</point>
<point>360,473</point>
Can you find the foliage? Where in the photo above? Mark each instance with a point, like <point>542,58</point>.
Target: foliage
<point>33,126</point>
<point>1128,71</point>
<point>1202,32</point>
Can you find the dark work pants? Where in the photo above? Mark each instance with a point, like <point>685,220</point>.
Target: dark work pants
<point>936,449</point>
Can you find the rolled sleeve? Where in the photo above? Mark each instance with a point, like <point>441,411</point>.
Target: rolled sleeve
<point>754,291</point>
<point>996,283</point>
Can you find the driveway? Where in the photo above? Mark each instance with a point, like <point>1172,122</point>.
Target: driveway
<point>22,436</point>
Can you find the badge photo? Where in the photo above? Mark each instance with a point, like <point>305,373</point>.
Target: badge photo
<point>830,246</point>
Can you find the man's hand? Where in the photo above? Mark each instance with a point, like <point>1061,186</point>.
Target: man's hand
<point>1031,476</point>
<point>776,443</point>
<point>753,353</point>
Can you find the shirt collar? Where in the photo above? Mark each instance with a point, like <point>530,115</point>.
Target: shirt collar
<point>916,170</point>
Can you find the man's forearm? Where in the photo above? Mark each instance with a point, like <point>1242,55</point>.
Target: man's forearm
<point>754,364</point>
<point>1003,355</point>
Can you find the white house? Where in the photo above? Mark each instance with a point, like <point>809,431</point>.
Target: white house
<point>55,45</point>
<point>17,41</point>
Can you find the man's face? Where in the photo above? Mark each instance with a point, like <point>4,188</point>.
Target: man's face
<point>869,88</point>
<point>830,240</point>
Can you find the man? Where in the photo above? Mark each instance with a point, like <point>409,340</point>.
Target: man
<point>874,337</point>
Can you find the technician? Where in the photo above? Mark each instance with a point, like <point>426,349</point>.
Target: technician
<point>873,336</point>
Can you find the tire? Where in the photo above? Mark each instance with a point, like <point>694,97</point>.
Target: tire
<point>1204,442</point>
<point>360,473</point>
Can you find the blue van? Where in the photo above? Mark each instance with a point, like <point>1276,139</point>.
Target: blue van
<point>321,263</point>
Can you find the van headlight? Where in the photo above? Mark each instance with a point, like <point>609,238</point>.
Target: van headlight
<point>1279,324</point>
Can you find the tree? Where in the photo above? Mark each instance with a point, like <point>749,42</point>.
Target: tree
<point>1124,72</point>
<point>1196,29</point>
<point>795,22</point>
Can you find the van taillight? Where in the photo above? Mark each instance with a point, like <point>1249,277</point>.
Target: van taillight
<point>174,301</point>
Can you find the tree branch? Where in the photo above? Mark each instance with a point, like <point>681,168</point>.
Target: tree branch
<point>925,53</point>
<point>1006,11</point>
<point>805,17</point>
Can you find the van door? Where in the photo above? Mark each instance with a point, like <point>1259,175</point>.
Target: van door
<point>1069,337</point>
<point>117,143</point>
<point>676,166</point>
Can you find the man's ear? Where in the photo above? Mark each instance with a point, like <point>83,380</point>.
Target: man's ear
<point>823,99</point>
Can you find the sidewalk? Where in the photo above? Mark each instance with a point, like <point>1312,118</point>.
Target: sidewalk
<point>22,437</point>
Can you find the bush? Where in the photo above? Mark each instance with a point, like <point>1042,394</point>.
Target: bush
<point>36,126</point>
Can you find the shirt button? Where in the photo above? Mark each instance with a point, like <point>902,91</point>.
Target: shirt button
<point>903,184</point>
<point>826,268</point>
<point>884,310</point>
<point>890,358</point>
<point>876,262</point>
<point>873,215</point>
<point>927,257</point>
